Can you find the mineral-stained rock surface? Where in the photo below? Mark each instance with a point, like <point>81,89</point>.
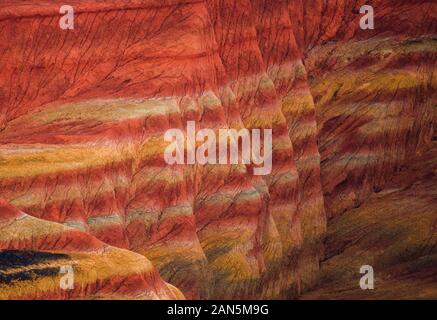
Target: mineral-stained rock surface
<point>33,252</point>
<point>83,114</point>
<point>395,231</point>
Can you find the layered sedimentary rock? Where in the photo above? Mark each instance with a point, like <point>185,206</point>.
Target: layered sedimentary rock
<point>82,144</point>
<point>394,232</point>
<point>372,90</point>
<point>34,252</point>
<point>84,113</point>
<point>285,67</point>
<point>259,107</point>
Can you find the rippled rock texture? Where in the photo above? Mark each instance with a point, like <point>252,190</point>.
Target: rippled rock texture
<point>83,114</point>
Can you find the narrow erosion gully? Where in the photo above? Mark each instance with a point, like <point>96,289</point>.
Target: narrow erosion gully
<point>107,183</point>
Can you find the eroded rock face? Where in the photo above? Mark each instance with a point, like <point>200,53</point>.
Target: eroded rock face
<point>33,253</point>
<point>84,112</point>
<point>372,90</point>
<point>395,232</point>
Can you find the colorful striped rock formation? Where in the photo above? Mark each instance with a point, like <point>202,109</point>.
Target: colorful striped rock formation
<point>372,90</point>
<point>34,254</point>
<point>395,231</point>
<point>84,111</point>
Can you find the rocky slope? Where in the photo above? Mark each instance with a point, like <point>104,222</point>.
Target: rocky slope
<point>83,114</point>
<point>395,231</point>
<point>33,253</point>
<point>372,88</point>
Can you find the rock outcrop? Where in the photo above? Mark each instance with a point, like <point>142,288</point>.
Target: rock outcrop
<point>395,232</point>
<point>34,252</point>
<point>83,114</point>
<point>372,89</point>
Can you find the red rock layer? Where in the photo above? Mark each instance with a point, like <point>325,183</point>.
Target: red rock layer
<point>96,163</point>
<point>285,67</point>
<point>372,90</point>
<point>84,112</point>
<point>260,108</point>
<point>318,22</point>
<point>33,252</point>
<point>119,187</point>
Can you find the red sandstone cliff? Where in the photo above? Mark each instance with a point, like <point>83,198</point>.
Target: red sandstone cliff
<point>84,112</point>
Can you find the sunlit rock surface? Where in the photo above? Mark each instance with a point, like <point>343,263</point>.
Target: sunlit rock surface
<point>83,114</point>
